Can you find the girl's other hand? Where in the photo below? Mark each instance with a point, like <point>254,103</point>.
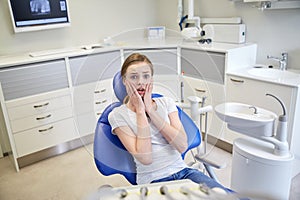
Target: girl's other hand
<point>148,97</point>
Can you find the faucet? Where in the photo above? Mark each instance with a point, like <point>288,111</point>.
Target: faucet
<point>255,109</point>
<point>282,61</point>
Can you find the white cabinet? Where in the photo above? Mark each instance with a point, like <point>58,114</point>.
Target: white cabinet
<point>204,74</point>
<point>36,107</point>
<point>214,94</point>
<point>89,101</point>
<point>92,87</point>
<point>47,102</point>
<point>250,91</point>
<point>204,77</point>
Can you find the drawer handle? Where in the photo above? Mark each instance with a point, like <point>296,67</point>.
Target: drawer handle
<point>41,105</point>
<point>100,102</point>
<point>46,129</point>
<point>99,91</point>
<point>99,113</point>
<point>45,117</point>
<point>200,90</point>
<point>236,80</point>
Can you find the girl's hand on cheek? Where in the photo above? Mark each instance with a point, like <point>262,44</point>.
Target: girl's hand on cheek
<point>148,97</point>
<point>135,99</point>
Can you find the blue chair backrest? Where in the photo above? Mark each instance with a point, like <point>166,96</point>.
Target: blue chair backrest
<point>111,157</point>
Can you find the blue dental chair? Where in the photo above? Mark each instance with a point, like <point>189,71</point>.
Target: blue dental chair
<point>110,155</point>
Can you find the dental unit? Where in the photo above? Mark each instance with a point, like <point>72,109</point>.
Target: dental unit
<point>262,162</point>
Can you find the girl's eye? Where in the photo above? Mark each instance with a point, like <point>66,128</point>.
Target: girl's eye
<point>146,76</point>
<point>133,77</point>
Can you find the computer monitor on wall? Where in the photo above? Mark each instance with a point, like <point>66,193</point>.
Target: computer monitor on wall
<point>33,15</point>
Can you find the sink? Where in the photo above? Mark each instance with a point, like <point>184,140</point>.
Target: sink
<point>273,73</point>
<point>242,118</point>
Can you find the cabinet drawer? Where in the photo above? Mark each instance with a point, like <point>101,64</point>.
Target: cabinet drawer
<point>91,91</point>
<point>164,60</point>
<point>89,97</point>
<point>93,105</point>
<point>40,119</point>
<point>43,137</point>
<point>39,107</point>
<point>95,67</point>
<point>104,89</point>
<point>25,80</point>
<point>256,94</point>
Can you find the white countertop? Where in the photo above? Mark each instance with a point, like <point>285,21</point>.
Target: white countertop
<point>293,82</point>
<point>40,56</point>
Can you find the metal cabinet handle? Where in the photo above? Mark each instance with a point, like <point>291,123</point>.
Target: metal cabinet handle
<point>46,129</point>
<point>100,102</point>
<point>99,91</point>
<point>200,90</point>
<point>45,117</point>
<point>236,80</point>
<point>41,105</point>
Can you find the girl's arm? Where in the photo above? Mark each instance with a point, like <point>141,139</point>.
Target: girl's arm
<point>139,144</point>
<point>174,132</point>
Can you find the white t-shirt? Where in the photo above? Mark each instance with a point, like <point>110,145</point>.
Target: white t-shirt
<point>166,160</point>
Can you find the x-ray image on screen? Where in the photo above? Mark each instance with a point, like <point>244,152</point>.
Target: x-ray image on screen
<point>40,7</point>
<point>32,15</point>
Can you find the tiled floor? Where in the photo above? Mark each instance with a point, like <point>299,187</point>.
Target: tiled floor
<point>73,175</point>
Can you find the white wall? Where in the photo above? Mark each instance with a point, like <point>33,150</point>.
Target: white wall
<point>274,31</point>
<point>92,20</point>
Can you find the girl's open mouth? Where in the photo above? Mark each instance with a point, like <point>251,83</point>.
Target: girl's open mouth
<point>141,91</point>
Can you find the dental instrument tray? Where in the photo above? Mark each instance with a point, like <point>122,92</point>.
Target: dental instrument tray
<point>172,190</point>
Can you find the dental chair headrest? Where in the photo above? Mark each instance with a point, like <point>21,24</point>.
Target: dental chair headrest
<point>119,87</point>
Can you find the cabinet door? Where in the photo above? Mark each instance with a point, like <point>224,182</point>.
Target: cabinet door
<point>164,60</point>
<point>208,66</point>
<point>94,67</point>
<point>254,92</point>
<point>214,94</point>
<point>24,80</point>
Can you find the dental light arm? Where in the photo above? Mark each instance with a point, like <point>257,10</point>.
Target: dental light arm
<point>189,32</point>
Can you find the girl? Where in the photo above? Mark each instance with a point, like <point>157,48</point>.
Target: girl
<point>150,129</point>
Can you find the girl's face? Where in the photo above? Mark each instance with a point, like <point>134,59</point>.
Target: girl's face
<point>138,75</point>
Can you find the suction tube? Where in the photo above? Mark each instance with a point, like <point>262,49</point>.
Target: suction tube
<point>281,103</point>
<point>280,140</point>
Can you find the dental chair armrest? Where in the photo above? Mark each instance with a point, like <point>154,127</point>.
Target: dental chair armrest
<point>205,161</point>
